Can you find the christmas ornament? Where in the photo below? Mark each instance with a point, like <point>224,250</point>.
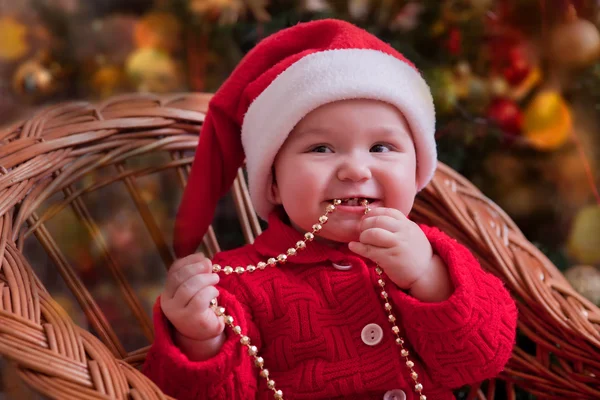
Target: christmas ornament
<point>33,80</point>
<point>158,30</point>
<point>359,9</point>
<point>315,6</point>
<point>585,279</point>
<point>13,39</point>
<point>153,70</point>
<point>282,258</point>
<point>547,121</point>
<point>408,18</point>
<point>575,43</point>
<point>518,67</point>
<point>107,80</point>
<point>505,113</point>
<point>584,238</point>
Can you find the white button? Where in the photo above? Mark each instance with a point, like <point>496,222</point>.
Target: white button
<point>396,394</point>
<point>371,334</point>
<point>344,266</point>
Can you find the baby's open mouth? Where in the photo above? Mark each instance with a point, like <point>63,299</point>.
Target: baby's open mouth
<point>356,201</point>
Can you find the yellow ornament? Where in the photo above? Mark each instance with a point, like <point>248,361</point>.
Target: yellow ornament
<point>584,238</point>
<point>152,70</point>
<point>158,30</point>
<point>13,35</point>
<point>547,121</point>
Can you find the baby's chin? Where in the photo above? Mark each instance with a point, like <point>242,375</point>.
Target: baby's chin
<point>339,235</point>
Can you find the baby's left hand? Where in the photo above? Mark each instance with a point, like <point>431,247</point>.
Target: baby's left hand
<point>396,243</point>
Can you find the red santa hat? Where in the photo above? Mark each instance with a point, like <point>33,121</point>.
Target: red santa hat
<point>286,76</point>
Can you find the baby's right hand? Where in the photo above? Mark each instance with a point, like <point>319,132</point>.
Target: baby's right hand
<point>185,300</point>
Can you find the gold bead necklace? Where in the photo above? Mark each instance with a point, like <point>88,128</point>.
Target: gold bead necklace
<point>282,258</point>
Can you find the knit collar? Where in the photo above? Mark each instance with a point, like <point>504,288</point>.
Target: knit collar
<point>280,236</point>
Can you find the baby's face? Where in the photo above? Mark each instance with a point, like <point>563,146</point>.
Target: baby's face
<point>345,150</point>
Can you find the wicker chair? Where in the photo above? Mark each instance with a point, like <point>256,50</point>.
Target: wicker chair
<point>55,161</point>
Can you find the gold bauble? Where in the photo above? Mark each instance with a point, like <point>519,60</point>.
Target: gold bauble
<point>32,79</point>
<point>584,238</point>
<point>153,70</point>
<point>574,43</point>
<point>547,121</point>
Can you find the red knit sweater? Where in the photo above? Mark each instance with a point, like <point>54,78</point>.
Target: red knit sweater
<point>306,317</point>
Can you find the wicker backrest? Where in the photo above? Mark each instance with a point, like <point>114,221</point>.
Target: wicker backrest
<point>61,161</point>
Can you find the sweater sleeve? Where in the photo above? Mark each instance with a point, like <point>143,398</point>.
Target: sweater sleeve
<point>468,337</point>
<point>228,375</point>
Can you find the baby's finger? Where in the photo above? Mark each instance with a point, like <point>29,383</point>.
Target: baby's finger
<point>380,221</point>
<point>366,250</point>
<point>378,237</point>
<point>193,285</point>
<point>191,259</point>
<point>390,212</point>
<point>202,298</point>
<point>209,324</point>
<point>206,321</point>
<point>176,277</point>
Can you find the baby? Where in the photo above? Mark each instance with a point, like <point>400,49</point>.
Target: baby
<point>376,306</point>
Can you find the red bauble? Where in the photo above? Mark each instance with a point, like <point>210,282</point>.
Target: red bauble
<point>518,66</point>
<point>506,114</point>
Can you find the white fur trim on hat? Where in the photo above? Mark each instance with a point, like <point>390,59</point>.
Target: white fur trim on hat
<point>321,78</point>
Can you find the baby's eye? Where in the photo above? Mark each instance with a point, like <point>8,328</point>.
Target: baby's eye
<point>320,149</point>
<point>380,148</point>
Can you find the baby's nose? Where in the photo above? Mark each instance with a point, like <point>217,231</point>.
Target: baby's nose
<point>353,171</point>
